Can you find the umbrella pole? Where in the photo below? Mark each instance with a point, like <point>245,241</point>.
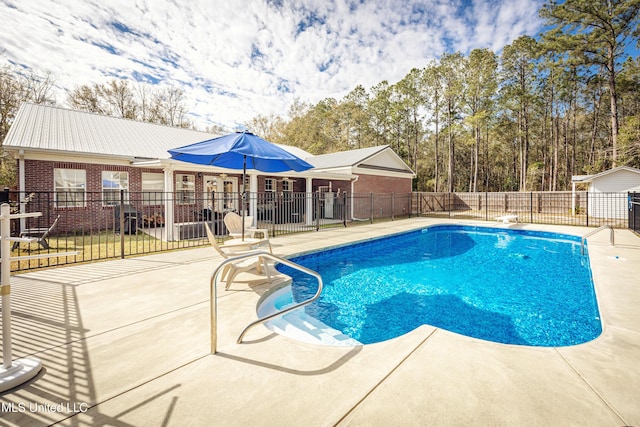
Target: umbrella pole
<point>244,172</point>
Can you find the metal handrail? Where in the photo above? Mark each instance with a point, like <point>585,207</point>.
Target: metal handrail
<point>612,237</point>
<point>214,293</point>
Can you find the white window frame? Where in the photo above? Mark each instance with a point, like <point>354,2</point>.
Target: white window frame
<point>117,180</point>
<point>68,182</point>
<point>152,188</point>
<point>287,190</point>
<point>185,188</point>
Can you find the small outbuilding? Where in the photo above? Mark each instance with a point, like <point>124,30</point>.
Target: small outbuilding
<point>612,187</point>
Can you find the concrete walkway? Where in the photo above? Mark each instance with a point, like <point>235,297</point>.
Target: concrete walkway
<point>127,343</point>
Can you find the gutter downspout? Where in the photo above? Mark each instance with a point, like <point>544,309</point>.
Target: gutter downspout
<point>22,188</point>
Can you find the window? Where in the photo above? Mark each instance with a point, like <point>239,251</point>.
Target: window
<point>152,188</point>
<point>69,186</point>
<point>112,183</point>
<point>269,185</point>
<point>185,189</point>
<point>269,189</point>
<point>286,190</point>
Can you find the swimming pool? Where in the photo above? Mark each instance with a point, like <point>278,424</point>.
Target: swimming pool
<point>503,285</point>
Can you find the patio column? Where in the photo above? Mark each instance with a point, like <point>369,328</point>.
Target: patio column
<point>309,208</point>
<point>253,203</point>
<point>169,202</point>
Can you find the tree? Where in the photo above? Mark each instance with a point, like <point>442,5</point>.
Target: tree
<point>379,109</point>
<point>595,33</point>
<point>167,108</point>
<point>518,93</point>
<point>433,87</point>
<point>18,86</point>
<point>354,113</point>
<point>452,66</point>
<point>268,127</point>
<point>118,98</point>
<point>482,85</point>
<point>115,98</point>
<point>411,99</point>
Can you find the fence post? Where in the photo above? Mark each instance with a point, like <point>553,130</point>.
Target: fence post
<point>344,208</point>
<point>531,207</point>
<point>486,206</point>
<point>316,197</point>
<point>410,197</point>
<point>587,202</point>
<point>449,203</point>
<point>371,208</point>
<point>121,219</point>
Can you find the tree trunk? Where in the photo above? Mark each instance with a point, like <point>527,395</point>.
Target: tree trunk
<point>476,148</point>
<point>437,171</point>
<point>614,107</point>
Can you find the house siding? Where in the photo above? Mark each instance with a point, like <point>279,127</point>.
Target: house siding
<point>622,180</point>
<point>615,205</point>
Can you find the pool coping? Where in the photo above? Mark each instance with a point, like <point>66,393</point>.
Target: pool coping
<point>133,347</point>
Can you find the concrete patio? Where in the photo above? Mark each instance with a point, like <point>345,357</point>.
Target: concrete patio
<point>127,343</point>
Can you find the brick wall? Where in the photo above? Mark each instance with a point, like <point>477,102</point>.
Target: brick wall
<point>382,184</point>
<point>39,178</point>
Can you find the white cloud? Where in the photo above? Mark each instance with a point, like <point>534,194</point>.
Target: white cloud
<point>235,60</point>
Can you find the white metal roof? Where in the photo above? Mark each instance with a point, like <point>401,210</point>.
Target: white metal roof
<point>344,158</point>
<point>589,178</point>
<point>380,158</point>
<point>41,128</point>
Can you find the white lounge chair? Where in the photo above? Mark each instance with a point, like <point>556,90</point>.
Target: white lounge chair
<point>233,268</point>
<point>506,219</point>
<point>233,222</point>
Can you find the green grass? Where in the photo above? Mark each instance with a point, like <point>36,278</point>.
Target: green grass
<point>95,247</point>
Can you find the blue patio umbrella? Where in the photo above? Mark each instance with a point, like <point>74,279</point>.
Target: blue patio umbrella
<point>240,150</point>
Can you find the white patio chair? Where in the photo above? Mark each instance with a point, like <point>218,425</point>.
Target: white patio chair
<point>233,222</point>
<point>233,268</point>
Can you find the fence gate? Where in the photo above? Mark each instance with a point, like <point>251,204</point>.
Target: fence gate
<point>634,212</point>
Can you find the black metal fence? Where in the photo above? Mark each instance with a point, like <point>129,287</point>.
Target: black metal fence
<point>634,212</point>
<point>562,208</point>
<point>105,226</point>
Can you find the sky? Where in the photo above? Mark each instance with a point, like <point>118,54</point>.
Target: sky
<point>238,59</point>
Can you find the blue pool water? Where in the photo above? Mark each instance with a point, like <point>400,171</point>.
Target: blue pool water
<point>503,285</point>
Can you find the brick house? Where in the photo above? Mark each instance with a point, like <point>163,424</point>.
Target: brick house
<point>85,159</point>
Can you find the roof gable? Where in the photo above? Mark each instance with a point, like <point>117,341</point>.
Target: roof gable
<point>380,158</point>
<point>589,178</point>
